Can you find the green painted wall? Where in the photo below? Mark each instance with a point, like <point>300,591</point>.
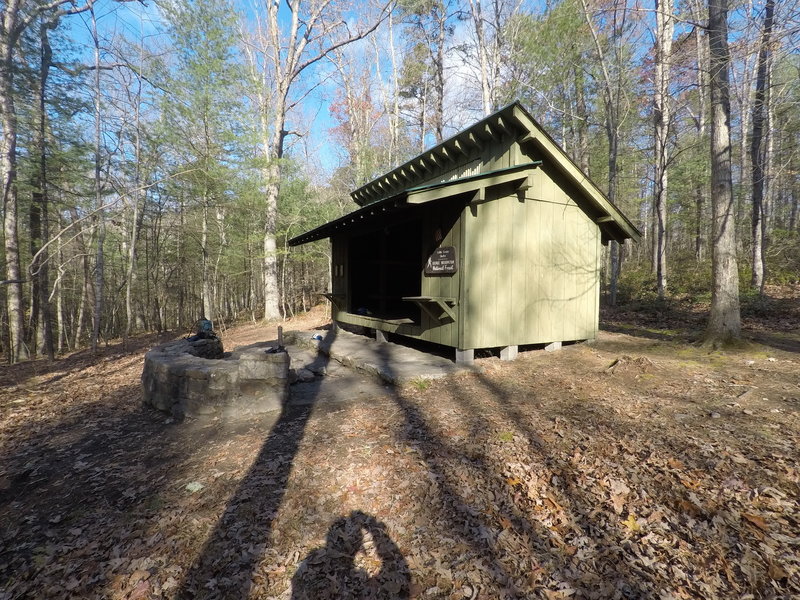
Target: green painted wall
<point>339,266</point>
<point>447,220</point>
<point>531,268</point>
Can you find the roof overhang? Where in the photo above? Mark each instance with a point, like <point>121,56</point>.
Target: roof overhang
<point>375,214</point>
<point>612,222</point>
<point>463,146</point>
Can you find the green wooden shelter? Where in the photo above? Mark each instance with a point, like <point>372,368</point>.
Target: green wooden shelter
<point>491,239</point>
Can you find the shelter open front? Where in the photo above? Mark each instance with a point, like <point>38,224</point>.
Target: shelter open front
<point>385,266</point>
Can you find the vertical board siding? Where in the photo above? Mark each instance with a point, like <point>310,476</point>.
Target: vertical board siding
<point>520,280</point>
<point>598,262</point>
<point>444,217</point>
<point>532,274</point>
<point>506,267</point>
<point>339,274</point>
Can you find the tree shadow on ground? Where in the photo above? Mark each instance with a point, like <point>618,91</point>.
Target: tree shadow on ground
<point>227,562</point>
<point>518,552</point>
<point>766,320</point>
<point>21,372</point>
<point>784,341</point>
<point>661,321</point>
<point>80,480</point>
<point>569,533</point>
<point>83,481</point>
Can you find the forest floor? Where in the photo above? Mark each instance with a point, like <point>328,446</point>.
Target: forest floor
<point>639,466</point>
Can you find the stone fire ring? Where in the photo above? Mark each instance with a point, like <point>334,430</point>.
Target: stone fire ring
<point>198,379</point>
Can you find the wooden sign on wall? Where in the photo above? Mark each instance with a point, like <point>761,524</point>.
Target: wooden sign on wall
<point>443,261</point>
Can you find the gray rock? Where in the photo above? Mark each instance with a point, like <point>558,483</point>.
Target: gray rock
<point>304,375</point>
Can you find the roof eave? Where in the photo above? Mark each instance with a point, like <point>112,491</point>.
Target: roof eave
<point>537,136</point>
<point>457,148</point>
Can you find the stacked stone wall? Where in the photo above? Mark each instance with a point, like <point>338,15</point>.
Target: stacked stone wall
<point>196,379</point>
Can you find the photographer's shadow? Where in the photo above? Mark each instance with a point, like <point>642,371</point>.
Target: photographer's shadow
<point>330,572</point>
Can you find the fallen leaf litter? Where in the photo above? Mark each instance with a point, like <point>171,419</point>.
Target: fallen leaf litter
<point>550,477</point>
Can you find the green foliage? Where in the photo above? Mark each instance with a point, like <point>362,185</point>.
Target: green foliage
<point>636,282</point>
<point>687,278</point>
<point>783,257</point>
<point>548,49</point>
<point>420,383</point>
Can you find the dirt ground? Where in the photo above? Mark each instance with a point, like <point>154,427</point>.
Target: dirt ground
<point>639,466</point>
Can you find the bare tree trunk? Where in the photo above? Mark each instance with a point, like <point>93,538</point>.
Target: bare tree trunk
<point>40,208</point>
<point>394,122</point>
<point>438,78</point>
<point>661,112</point>
<point>701,46</point>
<point>8,169</point>
<point>179,254</point>
<point>489,48</point>
<point>62,339</point>
<point>748,73</point>
<point>285,54</point>
<point>724,323</point>
<point>758,156</point>
<point>614,249</point>
<point>274,172</point>
<point>87,298</point>
<point>611,94</point>
<point>582,121</point>
<point>87,290</point>
<point>483,57</point>
<point>390,99</point>
<point>99,267</point>
<point>699,240</point>
<point>130,270</point>
<point>205,284</point>
<point>218,290</point>
<point>360,117</point>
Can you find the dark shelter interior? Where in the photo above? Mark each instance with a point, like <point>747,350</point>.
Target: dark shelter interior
<point>385,265</point>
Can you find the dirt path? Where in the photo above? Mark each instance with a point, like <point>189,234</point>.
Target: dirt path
<point>631,468</point>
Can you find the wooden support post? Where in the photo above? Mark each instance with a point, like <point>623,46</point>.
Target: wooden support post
<point>509,353</point>
<point>553,346</point>
<point>380,336</point>
<point>465,357</point>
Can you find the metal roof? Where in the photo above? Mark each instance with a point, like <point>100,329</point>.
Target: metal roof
<point>392,190</point>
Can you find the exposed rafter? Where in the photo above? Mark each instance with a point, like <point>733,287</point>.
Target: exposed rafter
<point>458,145</point>
<point>504,126</point>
